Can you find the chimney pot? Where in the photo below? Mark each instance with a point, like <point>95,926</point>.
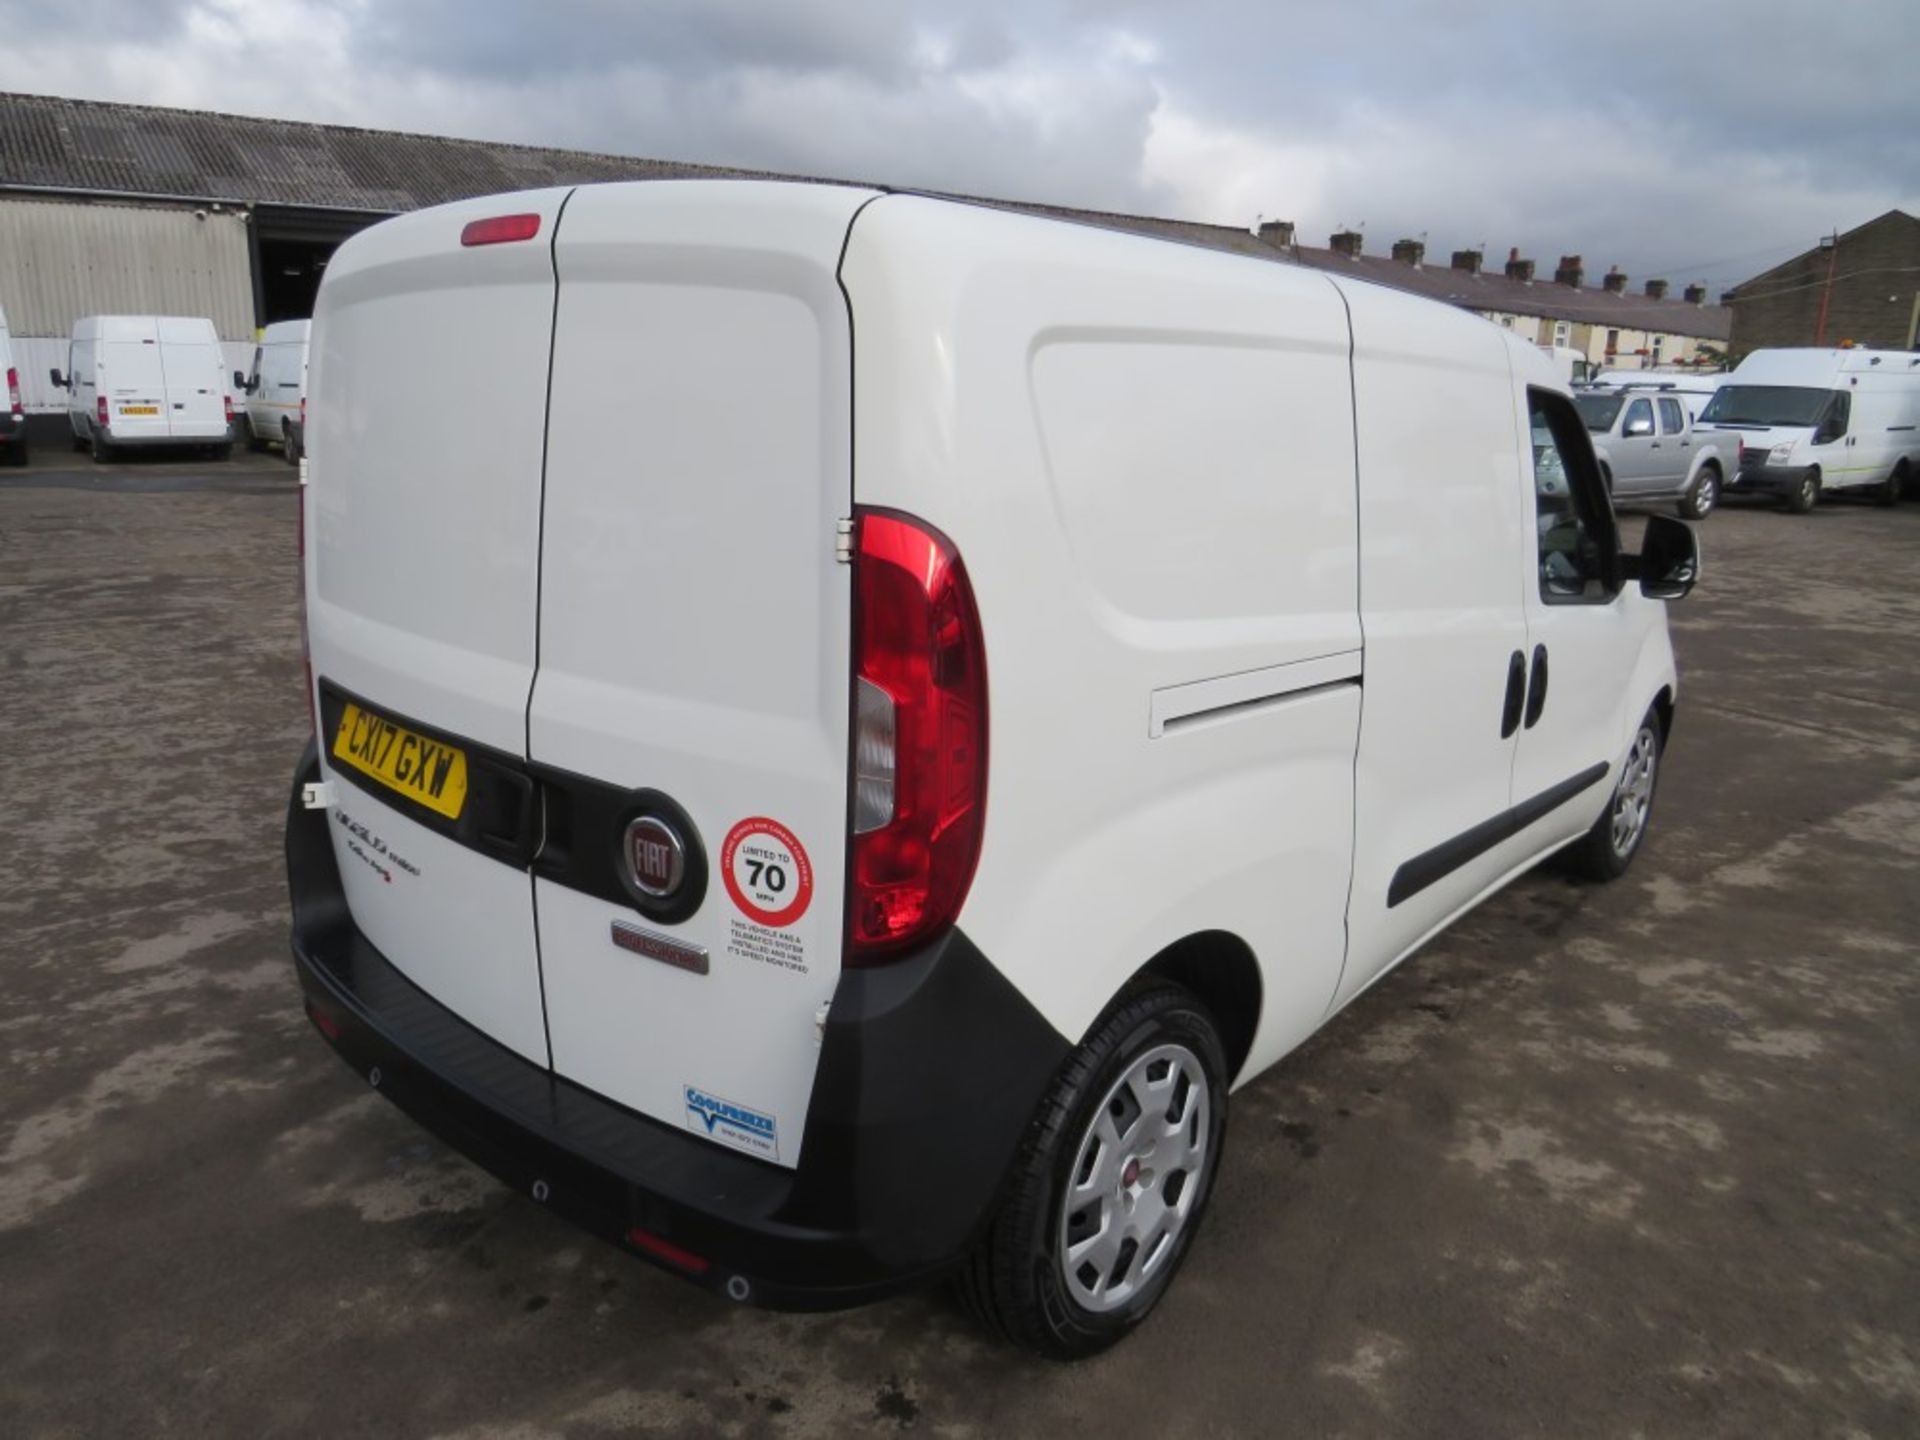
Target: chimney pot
<point>1696,294</point>
<point>1347,243</point>
<point>1277,233</point>
<point>1411,252</point>
<point>1613,281</point>
<point>1656,289</point>
<point>1570,272</point>
<point>1518,269</point>
<point>1468,260</point>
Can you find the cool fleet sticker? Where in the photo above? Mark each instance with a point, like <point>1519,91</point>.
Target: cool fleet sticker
<point>767,872</point>
<point>731,1124</point>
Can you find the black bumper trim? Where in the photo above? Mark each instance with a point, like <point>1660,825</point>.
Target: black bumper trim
<point>930,1071</point>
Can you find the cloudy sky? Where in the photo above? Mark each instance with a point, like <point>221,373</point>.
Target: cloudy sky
<point>1704,139</point>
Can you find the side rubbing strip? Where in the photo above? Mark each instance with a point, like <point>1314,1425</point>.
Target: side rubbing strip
<point>1177,705</point>
<point>1441,861</point>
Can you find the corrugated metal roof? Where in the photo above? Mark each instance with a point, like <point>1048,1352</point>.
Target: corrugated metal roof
<point>88,145</point>
<point>145,150</point>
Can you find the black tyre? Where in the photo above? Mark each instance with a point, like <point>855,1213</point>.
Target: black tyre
<point>82,444</point>
<point>1893,487</point>
<point>102,448</point>
<point>1699,501</point>
<point>255,440</point>
<point>1609,847</point>
<point>16,453</point>
<point>1805,495</point>
<point>289,446</point>
<point>222,452</point>
<point>1111,1182</point>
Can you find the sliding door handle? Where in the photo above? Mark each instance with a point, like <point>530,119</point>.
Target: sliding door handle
<point>1516,695</point>
<point>1537,686</point>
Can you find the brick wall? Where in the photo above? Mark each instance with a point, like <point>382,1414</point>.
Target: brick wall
<point>1784,307</point>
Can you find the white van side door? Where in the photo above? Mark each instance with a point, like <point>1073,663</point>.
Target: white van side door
<point>1441,609</point>
<point>1583,635</point>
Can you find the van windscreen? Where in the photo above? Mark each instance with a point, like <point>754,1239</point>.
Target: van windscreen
<point>1766,405</point>
<point>1598,411</point>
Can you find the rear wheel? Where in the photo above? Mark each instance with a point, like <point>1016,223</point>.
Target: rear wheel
<point>255,440</point>
<point>289,446</point>
<point>1893,487</point>
<point>1609,847</point>
<point>102,448</point>
<point>1806,494</point>
<point>16,453</point>
<point>1111,1182</point>
<point>1699,501</point>
<point>223,452</point>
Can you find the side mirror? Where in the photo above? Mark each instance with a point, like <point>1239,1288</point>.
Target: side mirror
<point>1669,560</point>
<point>240,381</point>
<point>59,380</point>
<point>1638,428</point>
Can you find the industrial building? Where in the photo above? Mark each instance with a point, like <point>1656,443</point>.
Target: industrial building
<point>1862,287</point>
<point>131,209</point>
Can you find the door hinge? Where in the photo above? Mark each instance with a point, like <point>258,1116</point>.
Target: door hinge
<point>318,796</point>
<point>820,1023</point>
<point>843,542</point>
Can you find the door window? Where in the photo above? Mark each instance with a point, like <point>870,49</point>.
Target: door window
<point>1639,419</point>
<point>1834,419</point>
<point>1579,543</point>
<point>1672,418</point>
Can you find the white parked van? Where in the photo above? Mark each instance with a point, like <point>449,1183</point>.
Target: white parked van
<point>13,414</point>
<point>862,829</point>
<point>276,388</point>
<point>1814,421</point>
<point>146,380</point>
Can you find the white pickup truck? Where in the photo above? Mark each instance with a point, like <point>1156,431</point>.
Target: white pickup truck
<point>1649,451</point>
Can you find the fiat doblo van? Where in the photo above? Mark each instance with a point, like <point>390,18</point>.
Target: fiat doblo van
<point>1010,684</point>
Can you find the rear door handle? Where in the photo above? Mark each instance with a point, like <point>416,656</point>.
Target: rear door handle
<point>1537,686</point>
<point>1516,695</point>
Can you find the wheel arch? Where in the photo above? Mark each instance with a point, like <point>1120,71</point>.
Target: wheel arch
<point>1220,971</point>
<point>1663,707</point>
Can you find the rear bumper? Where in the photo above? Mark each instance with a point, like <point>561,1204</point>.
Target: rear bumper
<point>929,1074</point>
<point>13,428</point>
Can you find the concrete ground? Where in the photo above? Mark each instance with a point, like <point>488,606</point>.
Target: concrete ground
<point>1636,1160</point>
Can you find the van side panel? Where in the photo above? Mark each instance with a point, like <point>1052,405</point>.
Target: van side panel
<point>1443,544</point>
<point>422,547</point>
<point>695,629</point>
<point>1144,454</point>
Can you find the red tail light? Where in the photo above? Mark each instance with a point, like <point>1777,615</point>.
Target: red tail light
<point>13,391</point>
<point>228,400</point>
<point>499,229</point>
<point>100,409</point>
<point>920,737</point>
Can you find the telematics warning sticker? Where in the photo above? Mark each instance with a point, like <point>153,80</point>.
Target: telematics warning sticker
<point>767,872</point>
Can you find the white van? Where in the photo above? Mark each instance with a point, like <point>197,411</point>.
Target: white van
<point>13,414</point>
<point>276,388</point>
<point>860,831</point>
<point>146,380</point>
<point>1814,421</point>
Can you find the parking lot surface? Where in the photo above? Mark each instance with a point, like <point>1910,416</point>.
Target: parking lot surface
<point>1633,1160</point>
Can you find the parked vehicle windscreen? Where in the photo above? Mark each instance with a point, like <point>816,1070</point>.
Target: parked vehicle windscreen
<point>1766,405</point>
<point>1599,411</point>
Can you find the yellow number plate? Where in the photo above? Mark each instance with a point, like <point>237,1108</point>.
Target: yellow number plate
<point>423,770</point>
<point>139,409</point>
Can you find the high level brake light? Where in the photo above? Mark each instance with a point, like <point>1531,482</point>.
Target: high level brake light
<point>920,737</point>
<point>500,229</point>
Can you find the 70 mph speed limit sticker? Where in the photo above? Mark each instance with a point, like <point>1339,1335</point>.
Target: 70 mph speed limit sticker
<point>766,871</point>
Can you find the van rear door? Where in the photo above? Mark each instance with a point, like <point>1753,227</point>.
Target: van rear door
<point>193,371</point>
<point>694,637</point>
<point>132,380</point>
<point>423,548</point>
